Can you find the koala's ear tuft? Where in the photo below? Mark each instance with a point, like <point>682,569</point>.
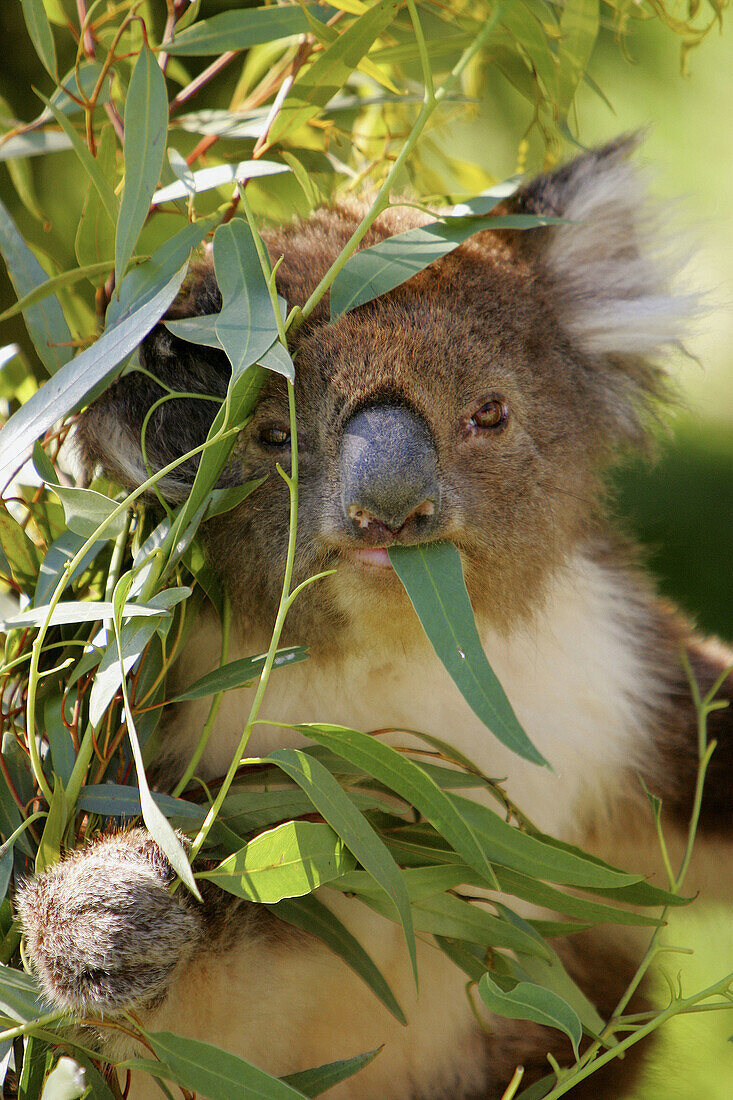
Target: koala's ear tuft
<point>110,431</point>
<point>611,269</point>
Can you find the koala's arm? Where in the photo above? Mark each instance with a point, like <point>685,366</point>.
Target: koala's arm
<point>102,928</point>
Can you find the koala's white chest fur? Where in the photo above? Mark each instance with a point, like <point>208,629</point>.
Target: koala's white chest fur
<point>573,676</point>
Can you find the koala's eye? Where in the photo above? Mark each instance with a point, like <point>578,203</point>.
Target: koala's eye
<point>491,415</point>
<point>275,437</point>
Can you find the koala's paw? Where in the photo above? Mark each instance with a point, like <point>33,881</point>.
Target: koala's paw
<point>101,928</point>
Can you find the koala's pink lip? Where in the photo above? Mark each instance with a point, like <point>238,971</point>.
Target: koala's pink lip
<point>375,557</point>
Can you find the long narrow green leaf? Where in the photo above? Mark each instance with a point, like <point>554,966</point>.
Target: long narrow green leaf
<point>216,1073</point>
<point>357,834</point>
<point>146,132</point>
<point>46,324</point>
<point>239,673</point>
<point>86,373</point>
<point>531,1002</point>
<point>380,268</point>
<point>433,578</point>
<point>579,25</point>
<point>509,846</point>
<point>311,915</point>
<point>328,74</point>
<point>404,776</point>
<point>246,326</point>
<point>238,30</point>
<point>95,236</point>
<point>312,1082</point>
<point>286,862</point>
<point>41,34</point>
<point>157,825</point>
<point>21,552</point>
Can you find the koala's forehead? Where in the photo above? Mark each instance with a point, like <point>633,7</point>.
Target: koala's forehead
<point>465,322</point>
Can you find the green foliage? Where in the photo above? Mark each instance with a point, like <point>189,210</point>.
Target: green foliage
<point>347,92</point>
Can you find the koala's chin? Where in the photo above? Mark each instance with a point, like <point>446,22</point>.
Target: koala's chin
<point>479,402</point>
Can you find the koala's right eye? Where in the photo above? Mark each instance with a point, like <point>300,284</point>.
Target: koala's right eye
<point>275,437</point>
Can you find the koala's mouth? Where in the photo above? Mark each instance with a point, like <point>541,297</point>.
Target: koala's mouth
<point>373,557</point>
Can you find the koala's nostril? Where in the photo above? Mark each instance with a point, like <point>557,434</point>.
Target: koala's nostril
<point>364,519</point>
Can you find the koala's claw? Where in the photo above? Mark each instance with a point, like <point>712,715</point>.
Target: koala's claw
<point>102,929</point>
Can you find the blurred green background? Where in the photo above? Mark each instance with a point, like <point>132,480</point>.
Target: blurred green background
<point>681,507</point>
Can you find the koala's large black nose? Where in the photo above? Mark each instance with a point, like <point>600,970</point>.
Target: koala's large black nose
<point>389,470</point>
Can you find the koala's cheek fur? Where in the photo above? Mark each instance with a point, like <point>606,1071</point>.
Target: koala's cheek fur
<point>102,928</point>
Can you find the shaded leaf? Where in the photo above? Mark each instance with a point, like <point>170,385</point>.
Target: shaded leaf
<point>329,799</point>
<point>85,510</point>
<point>239,673</point>
<point>41,35</point>
<point>433,578</point>
<point>157,825</point>
<point>146,132</point>
<point>238,30</point>
<point>531,1002</point>
<point>20,551</point>
<point>45,322</point>
<point>312,1082</point>
<point>90,164</point>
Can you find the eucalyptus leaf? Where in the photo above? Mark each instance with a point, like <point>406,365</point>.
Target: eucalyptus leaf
<point>433,578</point>
<point>239,673</point>
<point>45,321</point>
<point>246,326</point>
<point>238,30</point>
<point>146,132</point>
<point>61,551</point>
<point>89,611</point>
<point>37,143</point>
<point>134,637</point>
<point>217,176</point>
<point>41,34</point>
<point>329,72</point>
<point>404,776</point>
<point>288,861</point>
<point>86,510</point>
<point>333,805</point>
<point>528,1001</point>
<point>156,823</point>
<point>312,1082</point>
<point>86,373</point>
<point>89,163</point>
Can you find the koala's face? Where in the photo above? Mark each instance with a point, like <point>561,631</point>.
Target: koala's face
<point>474,403</point>
<point>447,411</point>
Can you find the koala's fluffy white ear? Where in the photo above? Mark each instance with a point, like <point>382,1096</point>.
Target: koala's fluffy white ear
<point>612,269</point>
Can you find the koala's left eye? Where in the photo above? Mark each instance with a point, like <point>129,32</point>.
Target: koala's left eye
<point>491,415</point>
<point>275,437</point>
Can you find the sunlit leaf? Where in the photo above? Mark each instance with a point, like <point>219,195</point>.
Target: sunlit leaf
<point>404,776</point>
<point>21,552</point>
<point>88,611</point>
<point>95,236</point>
<point>218,175</point>
<point>91,167</point>
<point>85,510</point>
<point>146,132</point>
<point>285,862</point>
<point>313,89</point>
<point>246,325</point>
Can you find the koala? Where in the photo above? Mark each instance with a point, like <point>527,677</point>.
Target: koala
<point>479,402</point>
